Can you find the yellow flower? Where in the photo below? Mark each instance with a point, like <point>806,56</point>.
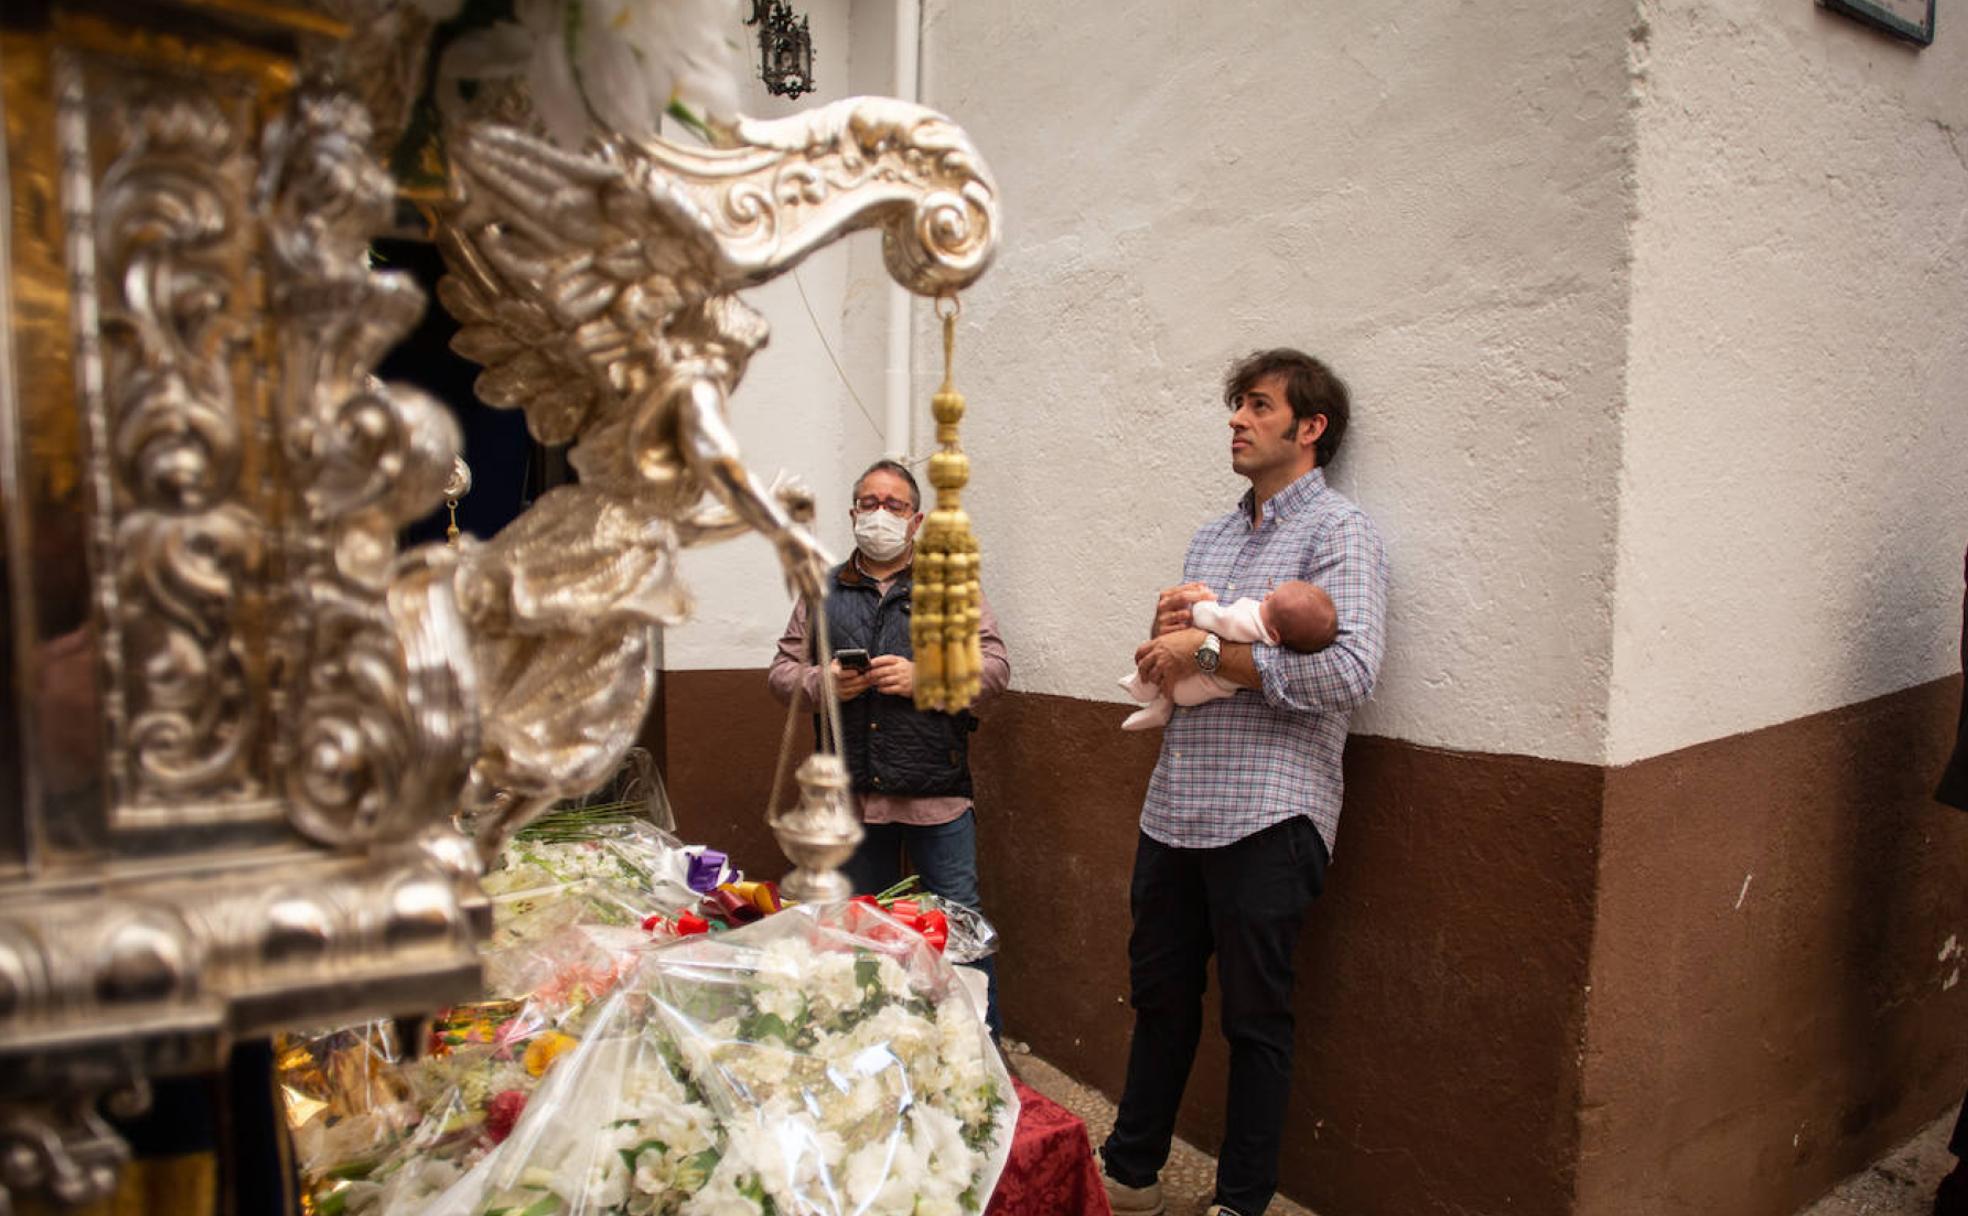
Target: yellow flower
<point>545,1049</point>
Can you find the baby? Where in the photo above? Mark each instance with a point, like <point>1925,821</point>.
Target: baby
<point>1296,615</point>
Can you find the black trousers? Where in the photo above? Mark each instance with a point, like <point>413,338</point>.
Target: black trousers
<point>1243,902</point>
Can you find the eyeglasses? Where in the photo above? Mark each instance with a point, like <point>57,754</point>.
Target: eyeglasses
<point>894,506</point>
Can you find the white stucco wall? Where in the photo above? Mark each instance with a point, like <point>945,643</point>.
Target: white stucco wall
<point>1793,503</point>
<point>792,411</point>
<point>1653,313</point>
<point>1430,196</point>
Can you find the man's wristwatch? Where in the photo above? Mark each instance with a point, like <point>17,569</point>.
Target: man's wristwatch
<point>1209,654</point>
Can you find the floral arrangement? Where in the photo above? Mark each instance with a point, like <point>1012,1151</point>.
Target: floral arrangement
<point>821,1060</point>
<point>593,866</point>
<point>813,1060</point>
<point>569,896</point>
<point>411,1128</point>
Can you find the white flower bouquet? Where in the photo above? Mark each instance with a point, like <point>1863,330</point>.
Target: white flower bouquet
<point>581,868</point>
<point>822,1060</point>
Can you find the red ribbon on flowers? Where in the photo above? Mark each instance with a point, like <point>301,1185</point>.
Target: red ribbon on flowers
<point>933,926</point>
<point>687,924</point>
<point>732,906</point>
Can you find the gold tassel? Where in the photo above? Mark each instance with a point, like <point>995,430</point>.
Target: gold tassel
<point>948,605</point>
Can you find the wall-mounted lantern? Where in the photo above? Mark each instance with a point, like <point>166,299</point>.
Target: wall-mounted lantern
<point>785,49</point>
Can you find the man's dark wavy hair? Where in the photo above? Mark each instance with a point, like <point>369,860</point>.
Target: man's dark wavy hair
<point>1310,387</point>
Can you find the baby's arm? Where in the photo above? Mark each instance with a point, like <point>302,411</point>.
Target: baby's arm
<point>1242,621</point>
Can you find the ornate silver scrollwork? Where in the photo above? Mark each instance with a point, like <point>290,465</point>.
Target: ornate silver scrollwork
<point>65,1148</point>
<point>384,723</point>
<point>259,649</point>
<point>162,325</point>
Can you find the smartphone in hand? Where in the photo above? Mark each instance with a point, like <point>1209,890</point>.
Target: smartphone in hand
<point>852,659</point>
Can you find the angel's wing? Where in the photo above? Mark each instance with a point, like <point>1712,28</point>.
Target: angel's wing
<point>563,274</point>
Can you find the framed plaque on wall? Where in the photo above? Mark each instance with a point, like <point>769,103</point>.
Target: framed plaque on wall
<point>1912,20</point>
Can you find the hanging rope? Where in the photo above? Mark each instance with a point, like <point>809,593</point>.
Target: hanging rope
<point>828,710</point>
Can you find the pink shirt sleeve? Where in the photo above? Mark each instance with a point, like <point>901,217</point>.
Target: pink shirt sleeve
<point>996,676</point>
<point>790,671</point>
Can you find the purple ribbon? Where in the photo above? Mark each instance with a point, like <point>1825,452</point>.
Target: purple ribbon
<point>704,870</point>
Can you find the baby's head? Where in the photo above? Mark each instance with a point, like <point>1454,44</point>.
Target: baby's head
<point>1300,616</point>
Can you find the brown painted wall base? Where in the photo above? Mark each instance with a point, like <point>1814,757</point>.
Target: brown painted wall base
<point>716,734</point>
<point>1441,978</point>
<point>1527,988</point>
<point>1771,1008</point>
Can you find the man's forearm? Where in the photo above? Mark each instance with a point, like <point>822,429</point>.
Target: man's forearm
<point>789,679</point>
<point>1237,666</point>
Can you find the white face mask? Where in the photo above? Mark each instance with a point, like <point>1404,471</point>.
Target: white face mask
<point>880,535</point>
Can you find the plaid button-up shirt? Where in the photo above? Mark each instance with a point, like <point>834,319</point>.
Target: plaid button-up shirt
<point>1235,766</point>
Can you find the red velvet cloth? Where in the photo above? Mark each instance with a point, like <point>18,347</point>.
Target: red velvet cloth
<point>1051,1171</point>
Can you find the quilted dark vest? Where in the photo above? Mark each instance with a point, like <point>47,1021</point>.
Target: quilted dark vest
<point>891,746</point>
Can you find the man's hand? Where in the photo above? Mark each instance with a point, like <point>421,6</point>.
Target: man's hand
<point>893,674</point>
<point>1166,659</point>
<point>849,683</point>
<point>1172,607</point>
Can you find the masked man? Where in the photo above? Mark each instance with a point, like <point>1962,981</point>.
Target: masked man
<point>911,767</point>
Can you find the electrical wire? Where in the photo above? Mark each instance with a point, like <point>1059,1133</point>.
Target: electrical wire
<point>847,384</point>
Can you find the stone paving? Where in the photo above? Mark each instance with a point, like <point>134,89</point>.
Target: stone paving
<point>1899,1184</point>
<point>1189,1179</point>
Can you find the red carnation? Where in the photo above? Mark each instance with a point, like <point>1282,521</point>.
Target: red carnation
<point>503,1113</point>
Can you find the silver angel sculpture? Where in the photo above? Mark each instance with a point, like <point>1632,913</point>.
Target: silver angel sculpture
<point>597,289</point>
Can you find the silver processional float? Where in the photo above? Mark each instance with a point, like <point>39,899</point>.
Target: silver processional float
<point>257,755</point>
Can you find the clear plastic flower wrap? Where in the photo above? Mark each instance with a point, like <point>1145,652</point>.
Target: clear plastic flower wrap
<point>971,936</point>
<point>959,930</point>
<point>823,1060</point>
<point>377,1127</point>
<point>595,868</point>
<point>347,1098</point>
<point>569,903</point>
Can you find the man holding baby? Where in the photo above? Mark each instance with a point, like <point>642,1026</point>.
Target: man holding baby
<point>1244,803</point>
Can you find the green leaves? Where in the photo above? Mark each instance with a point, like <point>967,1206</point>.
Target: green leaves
<point>546,1205</point>
<point>629,1155</point>
<point>762,1026</point>
<point>696,1169</point>
<point>754,1190</point>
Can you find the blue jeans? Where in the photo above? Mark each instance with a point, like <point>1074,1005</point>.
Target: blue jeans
<point>945,854</point>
